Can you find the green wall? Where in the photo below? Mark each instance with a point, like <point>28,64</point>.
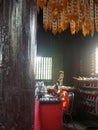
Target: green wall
<point>65,50</point>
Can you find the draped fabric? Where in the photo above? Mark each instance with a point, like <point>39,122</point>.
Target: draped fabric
<point>48,116</point>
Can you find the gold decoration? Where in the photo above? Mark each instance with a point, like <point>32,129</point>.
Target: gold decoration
<point>59,15</point>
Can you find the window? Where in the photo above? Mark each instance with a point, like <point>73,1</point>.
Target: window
<point>1,48</point>
<point>96,60</point>
<point>43,68</point>
<point>88,61</point>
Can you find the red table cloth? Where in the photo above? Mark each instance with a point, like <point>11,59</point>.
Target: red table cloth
<point>48,116</point>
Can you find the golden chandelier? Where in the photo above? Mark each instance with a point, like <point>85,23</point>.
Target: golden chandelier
<point>59,15</point>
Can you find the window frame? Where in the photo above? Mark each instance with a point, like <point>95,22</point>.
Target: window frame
<point>96,63</point>
<point>40,78</point>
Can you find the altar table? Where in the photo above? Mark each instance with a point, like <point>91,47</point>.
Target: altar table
<point>48,116</point>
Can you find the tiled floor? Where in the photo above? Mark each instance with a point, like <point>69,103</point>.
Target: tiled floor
<point>74,126</point>
<point>81,126</point>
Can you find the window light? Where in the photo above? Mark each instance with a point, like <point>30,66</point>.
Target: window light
<point>43,68</point>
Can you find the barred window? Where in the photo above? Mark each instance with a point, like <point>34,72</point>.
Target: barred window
<point>44,68</point>
<point>88,61</point>
<point>96,60</point>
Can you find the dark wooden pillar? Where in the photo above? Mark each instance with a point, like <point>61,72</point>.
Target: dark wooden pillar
<point>19,65</point>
